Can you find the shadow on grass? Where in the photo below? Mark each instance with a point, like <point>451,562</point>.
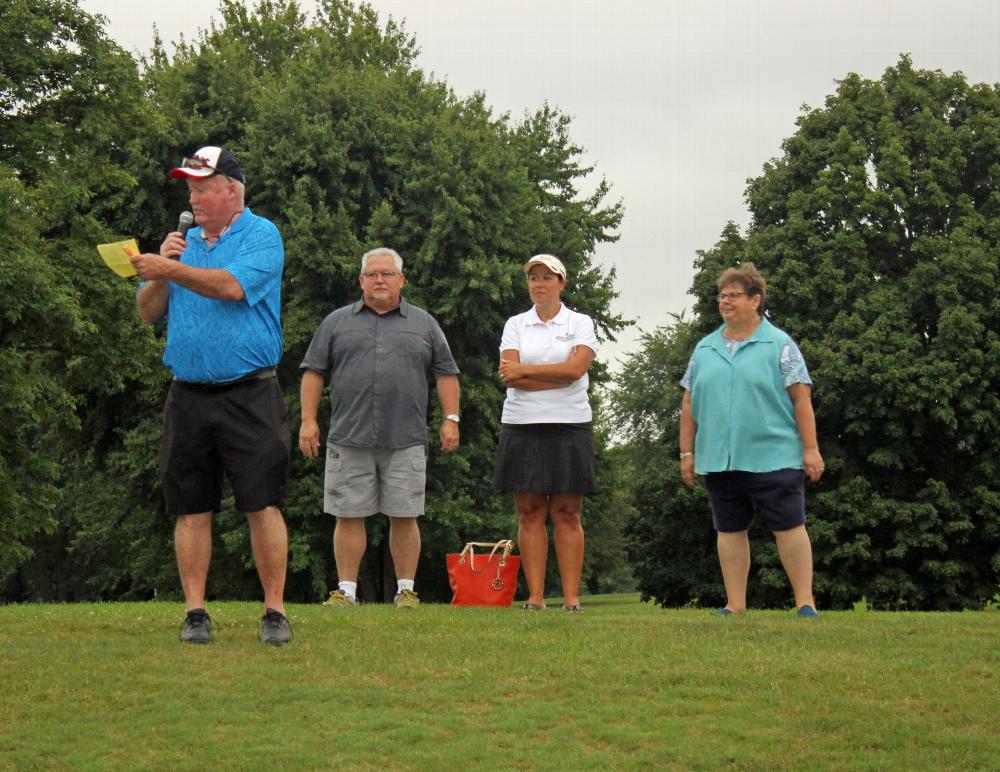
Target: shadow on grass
<point>587,601</point>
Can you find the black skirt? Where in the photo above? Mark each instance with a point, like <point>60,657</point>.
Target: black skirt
<point>545,458</point>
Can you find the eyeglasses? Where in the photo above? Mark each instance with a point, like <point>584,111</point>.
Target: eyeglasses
<point>373,275</point>
<point>729,296</point>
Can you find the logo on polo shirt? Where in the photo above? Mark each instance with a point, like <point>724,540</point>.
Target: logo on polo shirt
<point>566,338</point>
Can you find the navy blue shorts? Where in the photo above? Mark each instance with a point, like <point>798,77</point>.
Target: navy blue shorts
<point>780,498</point>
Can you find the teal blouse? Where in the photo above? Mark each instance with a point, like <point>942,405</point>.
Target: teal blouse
<point>740,402</point>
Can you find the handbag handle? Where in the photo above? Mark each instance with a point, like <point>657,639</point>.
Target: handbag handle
<point>507,544</point>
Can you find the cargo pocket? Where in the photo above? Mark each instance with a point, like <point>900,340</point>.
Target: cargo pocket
<point>418,474</point>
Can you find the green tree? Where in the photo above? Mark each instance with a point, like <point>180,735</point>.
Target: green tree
<point>346,145</point>
<point>877,230</point>
<point>72,355</point>
<point>355,150</point>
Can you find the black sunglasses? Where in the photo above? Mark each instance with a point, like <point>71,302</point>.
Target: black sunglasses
<point>199,163</point>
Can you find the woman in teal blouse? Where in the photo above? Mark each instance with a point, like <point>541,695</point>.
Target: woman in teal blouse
<point>747,427</point>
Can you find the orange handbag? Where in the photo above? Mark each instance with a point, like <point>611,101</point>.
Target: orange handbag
<point>484,580</point>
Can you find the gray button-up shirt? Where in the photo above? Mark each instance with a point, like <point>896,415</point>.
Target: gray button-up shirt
<point>377,368</point>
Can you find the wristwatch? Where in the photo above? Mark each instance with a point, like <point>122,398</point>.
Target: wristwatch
<point>452,417</point>
<point>686,454</point>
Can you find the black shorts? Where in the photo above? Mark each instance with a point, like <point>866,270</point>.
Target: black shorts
<point>240,430</point>
<point>780,498</point>
<point>545,458</point>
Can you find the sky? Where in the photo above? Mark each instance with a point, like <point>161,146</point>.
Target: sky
<point>677,103</point>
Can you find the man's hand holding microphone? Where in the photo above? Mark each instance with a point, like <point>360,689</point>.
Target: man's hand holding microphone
<point>151,266</point>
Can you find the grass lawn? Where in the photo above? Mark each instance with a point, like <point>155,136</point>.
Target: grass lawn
<point>623,685</point>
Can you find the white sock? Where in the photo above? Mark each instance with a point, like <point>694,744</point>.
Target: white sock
<point>350,589</point>
<point>403,584</point>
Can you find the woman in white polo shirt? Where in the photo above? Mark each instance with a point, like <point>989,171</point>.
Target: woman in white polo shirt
<point>545,456</point>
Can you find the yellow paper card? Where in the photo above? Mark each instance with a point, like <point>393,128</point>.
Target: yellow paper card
<point>116,256</point>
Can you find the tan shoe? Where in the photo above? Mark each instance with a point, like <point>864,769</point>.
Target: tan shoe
<point>339,598</point>
<point>406,599</point>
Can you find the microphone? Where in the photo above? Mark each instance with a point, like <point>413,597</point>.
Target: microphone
<point>185,221</point>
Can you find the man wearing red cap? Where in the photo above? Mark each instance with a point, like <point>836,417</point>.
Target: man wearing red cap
<point>220,291</point>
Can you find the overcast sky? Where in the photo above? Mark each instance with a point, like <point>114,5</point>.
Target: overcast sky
<point>677,102</point>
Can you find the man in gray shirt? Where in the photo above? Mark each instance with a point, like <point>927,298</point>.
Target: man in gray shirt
<point>376,355</point>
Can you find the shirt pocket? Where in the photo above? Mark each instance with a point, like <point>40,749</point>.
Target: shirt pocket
<point>411,347</point>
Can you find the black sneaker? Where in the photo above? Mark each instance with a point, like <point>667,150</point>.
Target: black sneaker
<point>197,627</point>
<point>274,628</point>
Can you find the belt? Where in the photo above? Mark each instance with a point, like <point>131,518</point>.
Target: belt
<point>257,375</point>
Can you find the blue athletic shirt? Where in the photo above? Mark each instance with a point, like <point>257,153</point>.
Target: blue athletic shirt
<point>212,340</point>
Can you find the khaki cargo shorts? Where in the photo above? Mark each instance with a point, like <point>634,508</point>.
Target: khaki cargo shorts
<point>366,481</point>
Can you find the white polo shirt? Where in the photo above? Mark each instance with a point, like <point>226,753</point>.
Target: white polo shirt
<point>548,343</point>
